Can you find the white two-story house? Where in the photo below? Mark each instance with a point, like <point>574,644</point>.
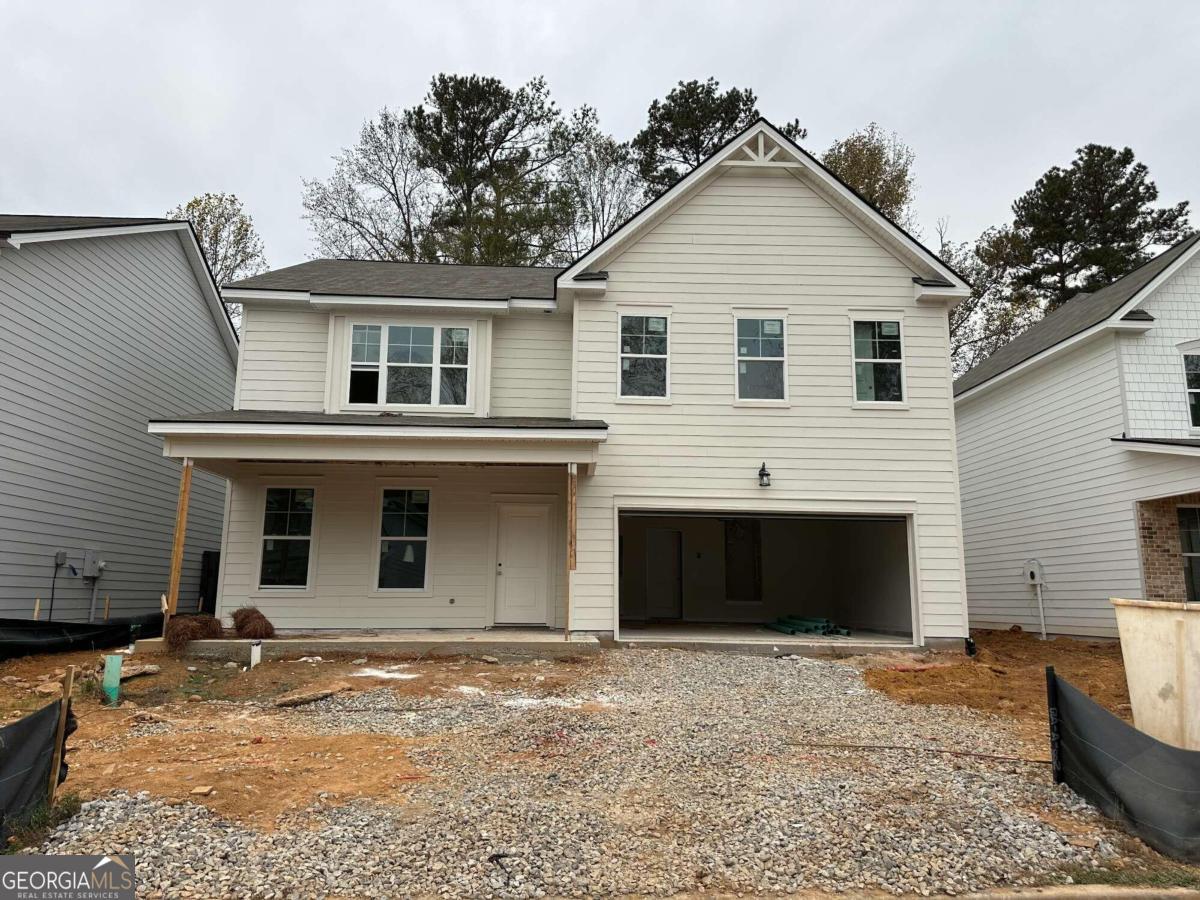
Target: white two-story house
<point>736,408</point>
<point>1078,448</point>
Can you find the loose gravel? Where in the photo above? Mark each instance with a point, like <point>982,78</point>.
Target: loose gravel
<point>670,771</point>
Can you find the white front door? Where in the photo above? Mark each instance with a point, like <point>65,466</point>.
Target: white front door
<point>522,563</point>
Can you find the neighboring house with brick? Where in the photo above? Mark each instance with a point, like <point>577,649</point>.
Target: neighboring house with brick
<point>737,407</point>
<point>1079,447</point>
<point>103,321</point>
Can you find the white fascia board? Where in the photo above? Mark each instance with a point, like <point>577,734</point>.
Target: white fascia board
<point>800,162</point>
<point>533,303</point>
<point>1149,447</point>
<point>336,301</point>
<point>241,295</point>
<point>401,432</point>
<point>926,294</point>
<point>191,248</point>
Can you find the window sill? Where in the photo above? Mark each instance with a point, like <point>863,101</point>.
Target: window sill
<point>884,405</point>
<point>268,591</point>
<point>400,592</point>
<point>367,409</point>
<point>761,404</point>
<point>645,401</point>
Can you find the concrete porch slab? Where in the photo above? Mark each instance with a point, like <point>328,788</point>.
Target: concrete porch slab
<point>757,640</point>
<point>515,643</point>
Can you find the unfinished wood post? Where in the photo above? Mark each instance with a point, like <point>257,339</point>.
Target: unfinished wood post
<point>106,607</point>
<point>572,520</point>
<point>181,513</point>
<point>37,608</point>
<point>63,709</point>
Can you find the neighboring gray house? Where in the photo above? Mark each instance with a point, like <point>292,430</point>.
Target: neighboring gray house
<point>103,321</point>
<point>1079,447</point>
<point>736,407</point>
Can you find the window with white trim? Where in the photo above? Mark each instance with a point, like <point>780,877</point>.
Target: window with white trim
<point>409,365</point>
<point>403,539</point>
<point>1189,540</point>
<point>1191,372</point>
<point>287,537</point>
<point>644,356</point>
<point>761,370</point>
<point>878,362</point>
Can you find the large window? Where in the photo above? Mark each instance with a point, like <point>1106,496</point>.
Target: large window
<point>1189,540</point>
<point>878,362</point>
<point>644,353</point>
<point>404,539</point>
<point>409,365</point>
<point>761,372</point>
<point>1191,371</point>
<point>287,537</point>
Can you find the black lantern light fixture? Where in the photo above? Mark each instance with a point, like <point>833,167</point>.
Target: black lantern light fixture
<point>764,477</point>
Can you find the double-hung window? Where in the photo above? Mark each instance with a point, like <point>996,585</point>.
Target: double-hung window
<point>644,356</point>
<point>403,539</point>
<point>409,365</point>
<point>287,537</point>
<point>1189,539</point>
<point>878,362</point>
<point>761,366</point>
<point>1191,372</point>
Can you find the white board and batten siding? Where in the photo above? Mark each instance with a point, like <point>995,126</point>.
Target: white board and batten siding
<point>1042,479</point>
<point>342,590</point>
<point>758,240</point>
<point>96,337</point>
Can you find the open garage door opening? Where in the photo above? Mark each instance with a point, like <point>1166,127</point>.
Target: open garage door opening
<point>745,576</point>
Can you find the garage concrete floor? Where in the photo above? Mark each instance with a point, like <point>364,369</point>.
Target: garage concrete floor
<point>754,639</point>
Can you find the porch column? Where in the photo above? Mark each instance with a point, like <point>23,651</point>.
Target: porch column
<point>572,506</point>
<point>181,513</point>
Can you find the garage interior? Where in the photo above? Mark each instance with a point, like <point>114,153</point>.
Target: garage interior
<point>725,576</point>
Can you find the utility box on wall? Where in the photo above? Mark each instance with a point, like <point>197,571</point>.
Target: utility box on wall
<point>93,564</point>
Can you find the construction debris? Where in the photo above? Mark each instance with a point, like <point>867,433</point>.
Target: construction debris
<point>311,695</point>
<point>128,672</point>
<point>807,625</point>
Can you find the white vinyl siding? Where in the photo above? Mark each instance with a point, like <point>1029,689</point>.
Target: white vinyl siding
<point>531,365</point>
<point>343,590</point>
<point>97,336</point>
<point>1042,479</point>
<point>766,239</point>
<point>283,359</point>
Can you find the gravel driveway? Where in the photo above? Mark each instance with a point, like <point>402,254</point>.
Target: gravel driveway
<point>668,771</point>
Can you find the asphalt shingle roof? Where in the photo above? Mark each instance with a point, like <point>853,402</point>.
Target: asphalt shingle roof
<point>367,278</point>
<point>15,224</point>
<point>1078,314</point>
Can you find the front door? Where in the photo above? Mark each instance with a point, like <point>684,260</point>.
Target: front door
<point>522,563</point>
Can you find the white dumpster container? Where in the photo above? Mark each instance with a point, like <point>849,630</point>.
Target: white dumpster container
<point>1160,642</point>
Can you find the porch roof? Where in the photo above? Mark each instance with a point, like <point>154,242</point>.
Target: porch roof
<point>255,434</point>
<point>1174,446</point>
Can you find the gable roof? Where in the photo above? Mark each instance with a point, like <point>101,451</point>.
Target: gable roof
<point>18,230</point>
<point>18,224</point>
<point>1077,315</point>
<point>440,281</point>
<point>879,225</point>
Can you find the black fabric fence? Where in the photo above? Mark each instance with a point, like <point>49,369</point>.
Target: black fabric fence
<point>1150,787</point>
<point>26,755</point>
<point>22,637</point>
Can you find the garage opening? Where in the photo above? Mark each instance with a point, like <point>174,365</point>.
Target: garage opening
<point>743,576</point>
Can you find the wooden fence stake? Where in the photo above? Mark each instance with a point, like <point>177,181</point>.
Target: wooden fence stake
<point>106,607</point>
<point>63,709</point>
<point>37,608</point>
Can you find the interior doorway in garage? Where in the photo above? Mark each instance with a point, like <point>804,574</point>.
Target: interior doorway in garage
<point>728,575</point>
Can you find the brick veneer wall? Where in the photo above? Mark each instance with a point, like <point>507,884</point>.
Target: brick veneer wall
<point>1162,554</point>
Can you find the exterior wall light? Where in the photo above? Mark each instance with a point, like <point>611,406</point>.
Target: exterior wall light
<point>764,477</point>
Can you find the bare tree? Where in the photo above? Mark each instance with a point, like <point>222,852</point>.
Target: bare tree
<point>603,182</point>
<point>227,236</point>
<point>379,201</point>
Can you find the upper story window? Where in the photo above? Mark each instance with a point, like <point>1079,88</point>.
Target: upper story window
<point>1191,371</point>
<point>645,346</point>
<point>761,366</point>
<point>878,362</point>
<point>409,365</point>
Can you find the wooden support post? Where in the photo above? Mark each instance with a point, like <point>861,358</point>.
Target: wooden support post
<point>37,608</point>
<point>572,520</point>
<point>63,709</point>
<point>106,607</point>
<point>181,513</point>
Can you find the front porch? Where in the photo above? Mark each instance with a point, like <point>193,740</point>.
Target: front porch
<point>1169,547</point>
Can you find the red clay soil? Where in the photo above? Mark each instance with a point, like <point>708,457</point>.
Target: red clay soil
<point>1007,676</point>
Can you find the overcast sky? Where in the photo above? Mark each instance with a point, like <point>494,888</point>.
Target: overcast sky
<point>123,108</point>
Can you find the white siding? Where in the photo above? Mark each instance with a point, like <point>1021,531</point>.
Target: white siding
<point>96,337</point>
<point>766,239</point>
<point>283,359</point>
<point>347,542</point>
<point>1041,478</point>
<point>1153,365</point>
<point>531,365</point>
